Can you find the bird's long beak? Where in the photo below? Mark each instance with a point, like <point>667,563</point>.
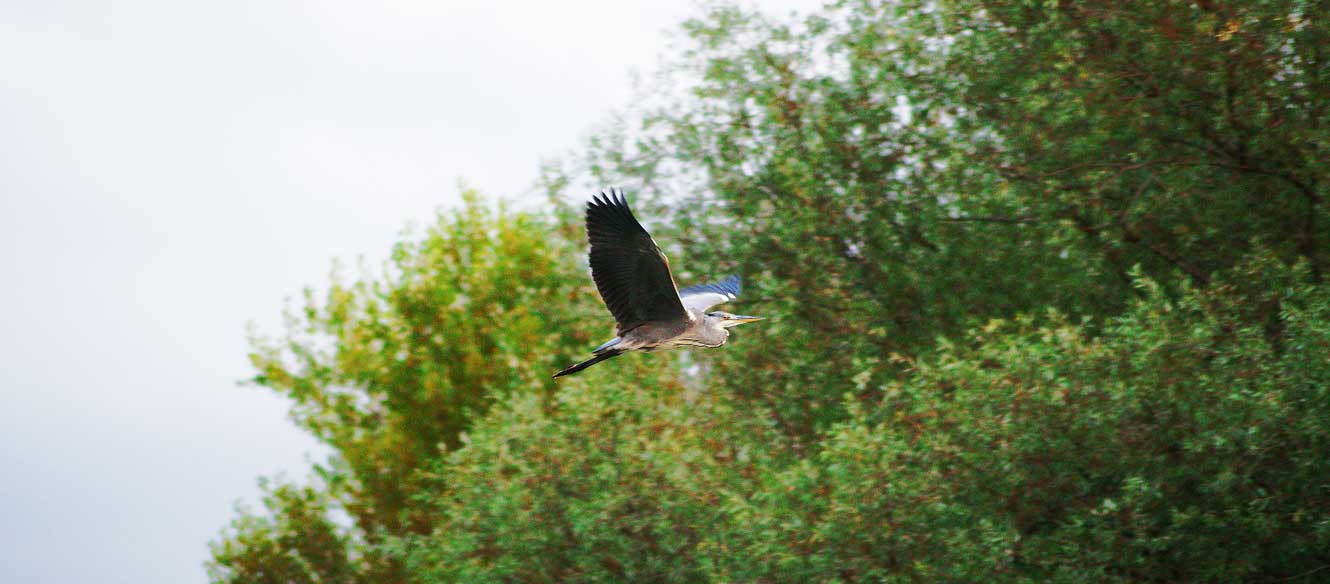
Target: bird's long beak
<point>737,320</point>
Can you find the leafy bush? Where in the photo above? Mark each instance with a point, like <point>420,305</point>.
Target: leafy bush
<point>1182,444</point>
<point>388,370</point>
<point>298,543</point>
<point>613,483</point>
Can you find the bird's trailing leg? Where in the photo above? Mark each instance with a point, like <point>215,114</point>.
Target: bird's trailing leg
<point>571,369</point>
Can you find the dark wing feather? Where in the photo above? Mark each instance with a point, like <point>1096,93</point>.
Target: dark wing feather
<point>631,273</point>
<point>703,296</point>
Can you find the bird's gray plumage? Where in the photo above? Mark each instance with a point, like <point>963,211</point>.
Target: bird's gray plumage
<point>633,278</point>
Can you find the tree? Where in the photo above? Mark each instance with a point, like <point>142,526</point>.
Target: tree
<point>295,543</point>
<point>1046,292</point>
<point>1181,444</point>
<point>897,171</point>
<point>389,371</point>
<point>1172,135</point>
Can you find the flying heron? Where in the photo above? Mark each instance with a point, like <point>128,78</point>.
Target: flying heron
<point>633,278</point>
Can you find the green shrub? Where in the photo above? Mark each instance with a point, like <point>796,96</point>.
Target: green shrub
<point>615,482</point>
<point>1187,443</point>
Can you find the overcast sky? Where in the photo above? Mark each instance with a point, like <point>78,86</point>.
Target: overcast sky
<point>170,171</point>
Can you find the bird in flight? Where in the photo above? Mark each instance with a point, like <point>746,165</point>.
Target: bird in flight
<point>633,277</point>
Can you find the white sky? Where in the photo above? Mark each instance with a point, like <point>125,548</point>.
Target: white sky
<point>170,171</point>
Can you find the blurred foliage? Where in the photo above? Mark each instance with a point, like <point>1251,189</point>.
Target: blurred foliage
<point>1045,292</point>
<point>890,172</point>
<point>299,543</point>
<point>388,370</point>
<point>1178,445</point>
<point>614,483</point>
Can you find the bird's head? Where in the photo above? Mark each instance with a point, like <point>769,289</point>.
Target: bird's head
<point>728,320</point>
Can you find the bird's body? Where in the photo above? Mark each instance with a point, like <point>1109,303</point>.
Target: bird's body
<point>634,280</point>
<point>694,332</point>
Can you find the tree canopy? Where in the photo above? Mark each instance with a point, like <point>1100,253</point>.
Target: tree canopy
<point>1046,292</point>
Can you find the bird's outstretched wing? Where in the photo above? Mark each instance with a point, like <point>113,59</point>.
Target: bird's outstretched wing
<point>631,273</point>
<point>703,296</point>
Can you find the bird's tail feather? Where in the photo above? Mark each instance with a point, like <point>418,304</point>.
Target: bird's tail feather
<point>571,369</point>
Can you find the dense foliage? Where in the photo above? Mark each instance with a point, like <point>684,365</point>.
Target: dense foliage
<point>1046,292</point>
